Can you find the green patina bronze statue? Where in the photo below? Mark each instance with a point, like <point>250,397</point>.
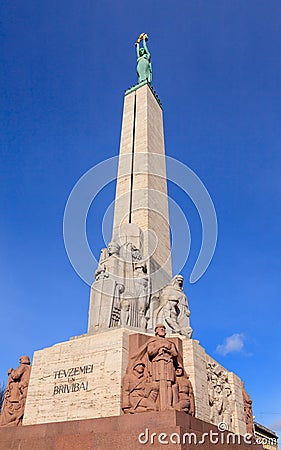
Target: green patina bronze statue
<point>144,67</point>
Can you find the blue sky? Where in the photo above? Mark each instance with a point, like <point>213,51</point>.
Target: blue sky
<point>216,69</point>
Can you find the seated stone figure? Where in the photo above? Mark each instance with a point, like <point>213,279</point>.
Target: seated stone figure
<point>173,308</point>
<point>183,396</point>
<point>138,394</point>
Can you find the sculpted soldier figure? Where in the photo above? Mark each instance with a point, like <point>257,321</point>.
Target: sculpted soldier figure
<point>138,394</point>
<point>144,68</point>
<point>183,395</point>
<point>162,354</point>
<point>15,395</point>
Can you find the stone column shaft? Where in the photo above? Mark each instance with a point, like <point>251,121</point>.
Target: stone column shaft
<point>141,191</point>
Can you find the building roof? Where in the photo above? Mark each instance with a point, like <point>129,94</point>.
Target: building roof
<point>265,429</point>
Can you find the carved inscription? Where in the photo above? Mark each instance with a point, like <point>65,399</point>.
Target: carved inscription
<point>70,375</point>
<point>67,388</point>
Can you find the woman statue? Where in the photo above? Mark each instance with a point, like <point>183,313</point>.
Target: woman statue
<point>144,68</point>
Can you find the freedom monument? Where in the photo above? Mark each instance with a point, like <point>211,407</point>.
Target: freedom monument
<point>138,365</point>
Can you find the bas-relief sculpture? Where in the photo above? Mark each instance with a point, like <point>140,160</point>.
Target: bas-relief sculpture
<point>15,394</point>
<point>139,394</point>
<point>220,396</point>
<point>155,379</point>
<point>248,410</point>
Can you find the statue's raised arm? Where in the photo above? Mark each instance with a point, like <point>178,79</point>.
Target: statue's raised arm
<point>145,46</point>
<point>144,68</point>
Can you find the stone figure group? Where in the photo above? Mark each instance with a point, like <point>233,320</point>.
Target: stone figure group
<point>220,397</point>
<point>155,379</point>
<point>122,294</point>
<point>15,394</point>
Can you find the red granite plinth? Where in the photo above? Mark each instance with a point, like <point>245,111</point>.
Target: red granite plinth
<point>127,432</point>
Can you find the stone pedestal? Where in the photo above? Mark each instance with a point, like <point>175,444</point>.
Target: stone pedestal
<point>169,429</point>
<point>82,378</point>
<point>78,379</point>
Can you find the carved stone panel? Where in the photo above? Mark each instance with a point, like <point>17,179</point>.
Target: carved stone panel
<point>155,379</point>
<point>220,396</point>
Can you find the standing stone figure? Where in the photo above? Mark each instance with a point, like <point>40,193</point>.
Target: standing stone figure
<point>212,378</point>
<point>183,396</point>
<point>163,355</point>
<point>184,312</point>
<point>138,394</point>
<point>15,394</point>
<point>160,357</point>
<point>124,312</point>
<point>227,406</point>
<point>107,265</point>
<point>106,290</point>
<point>144,67</point>
<point>135,298</point>
<point>141,288</point>
<point>216,404</point>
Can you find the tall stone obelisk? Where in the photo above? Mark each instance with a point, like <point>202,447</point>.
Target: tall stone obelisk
<point>141,192</point>
<point>136,268</point>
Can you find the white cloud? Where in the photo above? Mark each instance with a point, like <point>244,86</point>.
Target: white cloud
<point>233,343</point>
